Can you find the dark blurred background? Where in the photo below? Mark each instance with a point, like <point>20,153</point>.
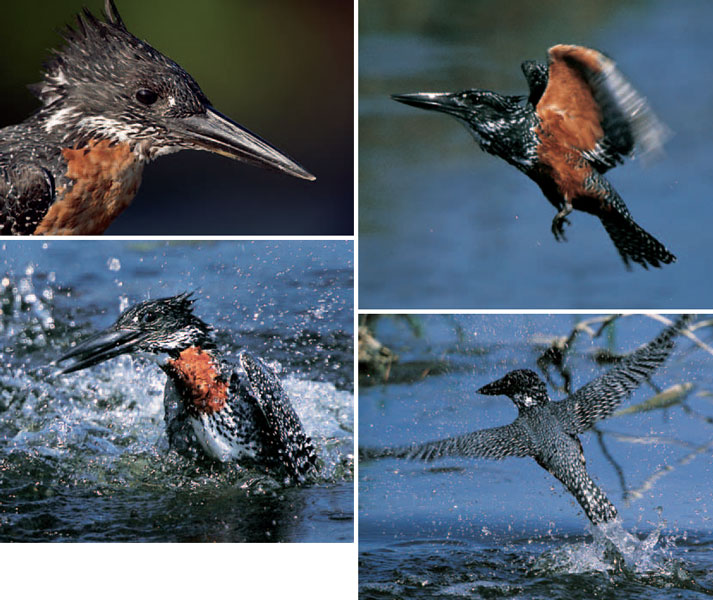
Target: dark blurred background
<point>283,69</point>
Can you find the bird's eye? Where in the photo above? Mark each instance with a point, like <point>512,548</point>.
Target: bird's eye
<point>146,96</point>
<point>149,317</point>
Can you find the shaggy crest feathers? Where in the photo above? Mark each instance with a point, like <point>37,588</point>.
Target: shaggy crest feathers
<point>92,50</point>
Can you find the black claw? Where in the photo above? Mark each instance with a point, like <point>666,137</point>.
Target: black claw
<point>558,224</point>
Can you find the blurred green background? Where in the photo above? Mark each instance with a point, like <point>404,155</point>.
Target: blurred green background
<point>283,69</point>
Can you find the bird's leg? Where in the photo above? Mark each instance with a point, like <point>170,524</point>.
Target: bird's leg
<point>559,221</point>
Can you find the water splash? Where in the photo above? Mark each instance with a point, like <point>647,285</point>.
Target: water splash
<point>85,457</point>
<point>25,312</point>
<point>328,419</point>
<point>114,412</point>
<point>615,551</point>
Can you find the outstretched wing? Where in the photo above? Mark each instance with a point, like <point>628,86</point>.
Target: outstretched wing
<point>495,443</point>
<point>599,398</point>
<point>284,429</point>
<point>593,108</point>
<point>26,192</point>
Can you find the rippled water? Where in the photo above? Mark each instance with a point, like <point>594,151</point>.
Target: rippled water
<point>518,568</point>
<point>84,457</point>
<point>507,529</point>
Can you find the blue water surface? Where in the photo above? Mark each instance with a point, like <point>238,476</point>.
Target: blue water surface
<point>507,528</point>
<point>445,225</point>
<point>84,457</point>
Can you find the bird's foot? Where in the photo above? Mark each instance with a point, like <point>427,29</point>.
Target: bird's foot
<point>558,224</point>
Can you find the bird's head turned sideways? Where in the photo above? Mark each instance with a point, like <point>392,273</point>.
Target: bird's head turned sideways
<point>166,326</point>
<point>488,115</point>
<point>523,387</point>
<point>106,84</point>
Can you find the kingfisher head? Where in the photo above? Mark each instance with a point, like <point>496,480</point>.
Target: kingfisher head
<point>523,387</point>
<point>487,115</point>
<point>163,327</point>
<point>106,84</point>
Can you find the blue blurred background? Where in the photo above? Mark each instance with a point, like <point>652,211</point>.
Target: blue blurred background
<point>445,225</point>
<point>282,69</point>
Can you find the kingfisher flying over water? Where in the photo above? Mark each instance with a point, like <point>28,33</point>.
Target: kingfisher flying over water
<point>548,431</point>
<point>581,118</point>
<point>229,412</point>
<point>111,103</point>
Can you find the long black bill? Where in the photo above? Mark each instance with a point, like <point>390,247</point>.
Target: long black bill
<point>496,388</point>
<point>101,347</point>
<point>443,102</point>
<point>215,132</point>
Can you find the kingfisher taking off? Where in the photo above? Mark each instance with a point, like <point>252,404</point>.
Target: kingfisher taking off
<point>230,413</point>
<point>580,119</point>
<point>547,431</point>
<point>110,104</point>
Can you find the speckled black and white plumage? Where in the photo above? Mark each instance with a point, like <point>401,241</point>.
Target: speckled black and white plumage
<point>600,398</point>
<point>251,422</point>
<point>27,181</point>
<point>547,431</point>
<point>565,139</point>
<point>258,427</point>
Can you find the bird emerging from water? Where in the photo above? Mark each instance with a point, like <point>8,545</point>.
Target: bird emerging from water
<point>230,413</point>
<point>547,431</point>
<point>580,119</point>
<point>110,104</point>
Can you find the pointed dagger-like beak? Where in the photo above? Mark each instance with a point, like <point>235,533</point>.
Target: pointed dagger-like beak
<point>443,102</point>
<point>496,388</point>
<point>215,132</point>
<point>100,347</point>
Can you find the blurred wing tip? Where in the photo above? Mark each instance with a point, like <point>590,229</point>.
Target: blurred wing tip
<point>650,138</point>
<point>649,133</point>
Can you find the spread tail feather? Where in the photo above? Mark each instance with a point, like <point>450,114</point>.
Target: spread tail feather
<point>635,244</point>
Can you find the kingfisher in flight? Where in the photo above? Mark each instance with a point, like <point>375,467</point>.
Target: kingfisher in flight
<point>111,103</point>
<point>548,431</point>
<point>231,413</point>
<point>580,119</point>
